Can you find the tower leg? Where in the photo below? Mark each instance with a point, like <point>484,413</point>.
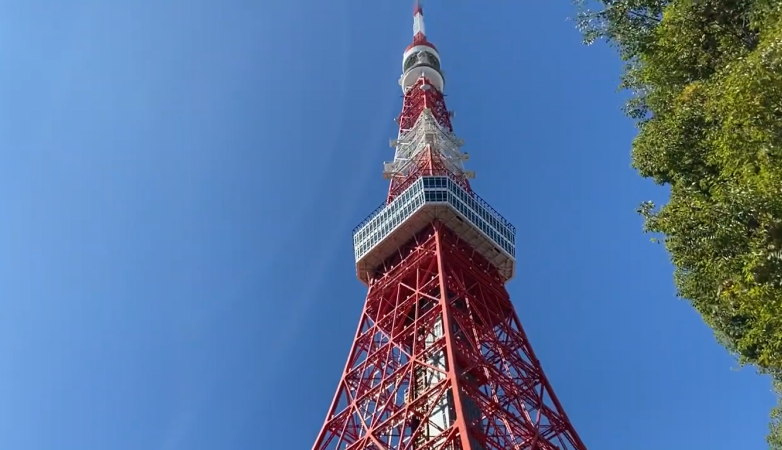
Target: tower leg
<point>440,362</point>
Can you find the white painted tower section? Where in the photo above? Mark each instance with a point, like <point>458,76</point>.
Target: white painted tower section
<point>426,133</point>
<point>412,75</point>
<point>418,22</point>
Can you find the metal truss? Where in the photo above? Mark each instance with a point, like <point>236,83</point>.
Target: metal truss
<point>440,362</point>
<point>426,143</point>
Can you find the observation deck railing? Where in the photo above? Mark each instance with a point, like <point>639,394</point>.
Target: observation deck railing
<point>441,197</point>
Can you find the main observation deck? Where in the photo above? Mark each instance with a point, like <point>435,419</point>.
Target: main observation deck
<point>429,198</point>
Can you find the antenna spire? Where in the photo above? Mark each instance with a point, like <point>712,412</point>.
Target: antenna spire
<point>419,30</point>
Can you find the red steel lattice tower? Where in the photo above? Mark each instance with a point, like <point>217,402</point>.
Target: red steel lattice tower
<point>440,360</point>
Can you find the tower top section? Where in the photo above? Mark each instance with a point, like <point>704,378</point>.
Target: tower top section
<point>421,58</point>
<point>419,29</point>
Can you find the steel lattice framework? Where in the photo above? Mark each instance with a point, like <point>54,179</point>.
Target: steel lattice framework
<point>440,360</point>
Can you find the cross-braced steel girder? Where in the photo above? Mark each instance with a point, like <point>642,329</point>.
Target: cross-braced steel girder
<point>440,362</point>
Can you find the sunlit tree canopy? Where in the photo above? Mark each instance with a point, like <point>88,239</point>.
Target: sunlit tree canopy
<point>706,84</point>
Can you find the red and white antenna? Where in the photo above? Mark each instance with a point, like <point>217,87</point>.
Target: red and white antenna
<point>419,28</point>
<point>421,58</point>
<point>418,20</point>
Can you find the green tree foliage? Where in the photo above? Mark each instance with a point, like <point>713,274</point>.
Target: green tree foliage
<point>706,84</point>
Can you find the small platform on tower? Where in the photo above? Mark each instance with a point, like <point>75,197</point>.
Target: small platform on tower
<point>434,198</point>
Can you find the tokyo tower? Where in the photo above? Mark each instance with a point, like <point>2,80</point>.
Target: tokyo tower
<point>440,360</point>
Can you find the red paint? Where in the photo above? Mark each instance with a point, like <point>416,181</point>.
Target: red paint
<point>489,360</point>
<point>420,39</point>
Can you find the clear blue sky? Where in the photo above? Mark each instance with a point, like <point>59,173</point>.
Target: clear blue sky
<point>179,181</point>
